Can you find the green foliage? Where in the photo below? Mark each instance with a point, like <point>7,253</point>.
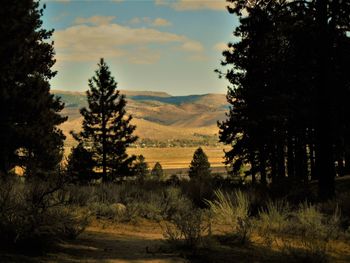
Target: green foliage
<point>29,116</point>
<point>200,166</point>
<point>107,131</point>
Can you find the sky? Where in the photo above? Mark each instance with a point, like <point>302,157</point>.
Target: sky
<point>155,45</point>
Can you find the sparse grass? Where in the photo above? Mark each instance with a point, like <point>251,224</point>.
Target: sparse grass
<point>234,212</point>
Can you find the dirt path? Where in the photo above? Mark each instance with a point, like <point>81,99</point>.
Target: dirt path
<point>118,243</point>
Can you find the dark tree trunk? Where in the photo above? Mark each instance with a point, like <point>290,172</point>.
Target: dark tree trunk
<point>253,169</point>
<point>262,166</point>
<point>324,150</point>
<point>281,168</point>
<point>313,173</point>
<point>290,158</point>
<point>301,161</point>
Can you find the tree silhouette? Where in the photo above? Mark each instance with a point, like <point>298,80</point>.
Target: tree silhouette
<point>200,166</point>
<point>81,165</point>
<point>140,169</point>
<point>283,120</point>
<point>157,171</point>
<point>107,131</point>
<point>29,136</point>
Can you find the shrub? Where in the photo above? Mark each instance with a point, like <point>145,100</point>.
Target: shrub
<point>33,215</point>
<point>315,229</point>
<point>233,212</point>
<point>79,195</point>
<point>187,228</point>
<point>273,220</point>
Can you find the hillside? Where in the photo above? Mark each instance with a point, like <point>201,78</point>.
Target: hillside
<point>159,116</point>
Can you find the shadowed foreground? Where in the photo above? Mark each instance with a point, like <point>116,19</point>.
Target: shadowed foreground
<point>119,243</point>
<point>144,242</point>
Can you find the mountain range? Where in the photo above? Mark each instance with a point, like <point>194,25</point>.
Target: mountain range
<point>158,115</point>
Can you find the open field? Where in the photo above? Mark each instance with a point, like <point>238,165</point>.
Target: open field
<point>173,158</point>
<point>176,157</point>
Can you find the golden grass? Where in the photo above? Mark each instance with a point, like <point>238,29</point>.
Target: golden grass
<point>177,157</point>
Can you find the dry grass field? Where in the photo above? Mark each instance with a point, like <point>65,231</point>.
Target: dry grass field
<point>176,157</point>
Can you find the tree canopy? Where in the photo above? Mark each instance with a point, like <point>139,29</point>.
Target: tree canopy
<point>284,119</point>
<point>29,114</point>
<point>106,129</point>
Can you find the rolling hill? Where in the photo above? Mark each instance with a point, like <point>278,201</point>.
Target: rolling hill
<point>158,115</point>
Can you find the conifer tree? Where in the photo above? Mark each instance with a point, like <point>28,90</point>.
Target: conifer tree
<point>106,129</point>
<point>81,165</point>
<point>284,120</point>
<point>200,166</point>
<point>157,171</point>
<point>29,136</point>
<point>140,168</point>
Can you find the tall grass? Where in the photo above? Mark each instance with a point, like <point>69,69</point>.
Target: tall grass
<point>233,211</point>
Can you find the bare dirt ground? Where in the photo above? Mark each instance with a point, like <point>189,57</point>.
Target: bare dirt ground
<point>119,243</point>
<point>143,241</point>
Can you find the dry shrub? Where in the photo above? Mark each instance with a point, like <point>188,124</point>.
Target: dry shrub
<point>187,228</point>
<point>273,221</point>
<point>34,214</point>
<point>234,212</point>
<point>303,235</point>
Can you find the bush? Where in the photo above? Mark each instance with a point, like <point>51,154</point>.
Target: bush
<point>33,214</point>
<point>187,228</point>
<point>273,220</point>
<point>303,235</point>
<point>234,212</point>
<point>316,230</point>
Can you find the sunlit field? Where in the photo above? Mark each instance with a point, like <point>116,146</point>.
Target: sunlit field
<point>171,158</point>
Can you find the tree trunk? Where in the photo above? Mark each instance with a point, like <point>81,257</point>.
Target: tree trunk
<point>290,158</point>
<point>262,166</point>
<point>324,150</point>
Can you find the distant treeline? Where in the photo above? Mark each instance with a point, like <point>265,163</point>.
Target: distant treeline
<point>203,140</point>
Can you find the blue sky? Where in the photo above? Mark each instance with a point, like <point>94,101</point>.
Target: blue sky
<point>157,45</point>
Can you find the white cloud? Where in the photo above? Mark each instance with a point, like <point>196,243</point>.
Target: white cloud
<point>147,20</point>
<point>184,5</point>
<point>194,46</point>
<point>144,56</point>
<point>90,42</point>
<point>135,20</point>
<point>94,20</point>
<point>161,22</point>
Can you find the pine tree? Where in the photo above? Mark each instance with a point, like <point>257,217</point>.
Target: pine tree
<point>80,167</point>
<point>29,136</point>
<point>200,166</point>
<point>140,168</point>
<point>106,130</point>
<point>157,171</point>
<point>283,113</point>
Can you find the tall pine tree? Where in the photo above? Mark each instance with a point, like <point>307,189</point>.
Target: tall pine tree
<point>107,131</point>
<point>29,114</point>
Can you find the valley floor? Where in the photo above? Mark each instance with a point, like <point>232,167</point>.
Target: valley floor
<point>144,242</point>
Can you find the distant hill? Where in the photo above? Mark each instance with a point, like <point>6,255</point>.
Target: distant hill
<point>159,116</point>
